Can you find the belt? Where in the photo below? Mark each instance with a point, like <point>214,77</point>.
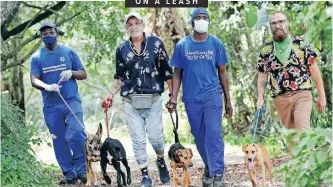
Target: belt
<point>290,93</point>
<point>128,99</point>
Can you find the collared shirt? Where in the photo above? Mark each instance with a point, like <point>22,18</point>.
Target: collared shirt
<point>287,76</point>
<point>146,73</point>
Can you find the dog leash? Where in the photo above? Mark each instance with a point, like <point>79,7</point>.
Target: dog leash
<point>175,126</point>
<point>72,112</point>
<point>259,113</point>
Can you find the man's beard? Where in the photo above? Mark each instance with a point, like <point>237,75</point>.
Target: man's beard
<point>280,34</point>
<point>137,32</point>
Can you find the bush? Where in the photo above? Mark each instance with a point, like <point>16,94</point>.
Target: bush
<point>19,167</point>
<point>312,161</point>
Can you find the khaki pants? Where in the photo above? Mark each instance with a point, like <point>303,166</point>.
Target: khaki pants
<point>294,110</point>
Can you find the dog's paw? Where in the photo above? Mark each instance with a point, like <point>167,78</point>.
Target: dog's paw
<point>103,183</point>
<point>107,179</point>
<point>129,180</point>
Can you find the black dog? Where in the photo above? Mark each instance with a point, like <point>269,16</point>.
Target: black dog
<point>113,152</point>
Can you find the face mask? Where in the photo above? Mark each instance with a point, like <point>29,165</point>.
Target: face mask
<point>49,41</point>
<point>201,26</point>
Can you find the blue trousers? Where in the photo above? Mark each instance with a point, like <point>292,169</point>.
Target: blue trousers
<point>205,119</point>
<point>68,137</point>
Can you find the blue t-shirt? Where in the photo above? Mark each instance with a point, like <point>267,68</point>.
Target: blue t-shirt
<point>48,65</point>
<point>199,61</point>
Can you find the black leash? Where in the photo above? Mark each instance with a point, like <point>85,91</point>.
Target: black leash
<point>175,126</point>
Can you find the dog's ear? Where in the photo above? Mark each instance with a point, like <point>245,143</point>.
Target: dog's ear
<point>179,152</point>
<point>99,130</point>
<point>191,152</point>
<point>244,147</point>
<point>256,147</point>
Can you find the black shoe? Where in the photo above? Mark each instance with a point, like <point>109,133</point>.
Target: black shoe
<point>67,180</point>
<point>82,177</point>
<point>163,170</point>
<point>146,181</point>
<point>207,181</point>
<point>218,180</point>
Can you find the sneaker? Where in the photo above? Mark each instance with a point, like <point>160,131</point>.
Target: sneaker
<point>207,181</point>
<point>82,177</point>
<point>218,180</point>
<point>67,180</point>
<point>146,181</point>
<point>163,170</point>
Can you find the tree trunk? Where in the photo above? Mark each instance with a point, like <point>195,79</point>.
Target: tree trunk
<point>168,25</point>
<point>15,87</point>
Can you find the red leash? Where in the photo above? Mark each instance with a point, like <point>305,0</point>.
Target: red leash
<point>107,104</point>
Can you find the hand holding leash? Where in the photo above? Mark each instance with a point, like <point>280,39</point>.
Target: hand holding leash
<point>171,105</point>
<point>52,88</point>
<point>66,75</point>
<point>108,99</point>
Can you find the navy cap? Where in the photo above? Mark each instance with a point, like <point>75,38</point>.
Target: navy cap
<point>199,11</point>
<point>47,24</point>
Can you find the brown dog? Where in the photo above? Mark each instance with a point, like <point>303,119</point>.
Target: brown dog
<point>257,155</point>
<point>180,157</point>
<point>92,150</point>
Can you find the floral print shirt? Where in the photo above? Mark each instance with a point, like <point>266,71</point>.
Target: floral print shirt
<point>292,75</point>
<point>143,74</point>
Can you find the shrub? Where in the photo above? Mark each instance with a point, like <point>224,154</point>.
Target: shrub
<point>312,159</point>
<point>19,167</point>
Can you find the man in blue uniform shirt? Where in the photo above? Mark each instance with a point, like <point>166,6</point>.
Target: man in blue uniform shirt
<point>197,59</point>
<point>52,65</point>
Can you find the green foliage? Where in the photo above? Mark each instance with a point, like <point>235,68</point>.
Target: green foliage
<point>312,161</point>
<point>19,166</point>
<point>251,15</point>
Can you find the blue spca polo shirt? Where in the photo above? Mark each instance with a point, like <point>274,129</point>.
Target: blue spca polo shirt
<point>199,61</point>
<point>48,65</point>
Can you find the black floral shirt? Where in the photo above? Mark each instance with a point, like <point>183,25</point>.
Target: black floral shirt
<point>291,75</point>
<point>143,74</point>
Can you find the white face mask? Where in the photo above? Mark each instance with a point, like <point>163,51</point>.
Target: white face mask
<point>201,26</point>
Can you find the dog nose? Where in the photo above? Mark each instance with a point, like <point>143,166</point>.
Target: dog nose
<point>250,159</point>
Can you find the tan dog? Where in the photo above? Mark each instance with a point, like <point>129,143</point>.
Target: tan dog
<point>92,150</point>
<point>257,155</point>
<point>180,157</point>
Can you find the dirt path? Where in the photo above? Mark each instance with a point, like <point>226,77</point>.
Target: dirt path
<point>235,176</point>
<point>235,172</point>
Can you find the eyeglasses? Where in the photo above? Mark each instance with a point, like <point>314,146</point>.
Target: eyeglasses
<point>204,17</point>
<point>279,22</point>
<point>130,25</point>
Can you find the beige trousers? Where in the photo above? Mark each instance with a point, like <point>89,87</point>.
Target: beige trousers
<point>294,110</point>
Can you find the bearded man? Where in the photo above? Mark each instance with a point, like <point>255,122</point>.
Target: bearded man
<point>289,67</point>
